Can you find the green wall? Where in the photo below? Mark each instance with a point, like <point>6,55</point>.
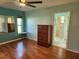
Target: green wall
<point>15,13</point>
<point>46,16</point>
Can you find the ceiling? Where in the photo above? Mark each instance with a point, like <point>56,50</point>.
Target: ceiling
<point>46,3</point>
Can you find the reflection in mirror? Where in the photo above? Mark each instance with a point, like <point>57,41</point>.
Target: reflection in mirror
<point>4,21</point>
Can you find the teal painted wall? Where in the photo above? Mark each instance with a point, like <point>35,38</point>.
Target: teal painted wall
<point>45,16</point>
<point>15,13</point>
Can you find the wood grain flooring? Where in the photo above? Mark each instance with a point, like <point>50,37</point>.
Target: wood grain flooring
<point>28,49</point>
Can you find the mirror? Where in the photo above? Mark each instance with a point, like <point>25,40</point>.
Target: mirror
<point>6,24</point>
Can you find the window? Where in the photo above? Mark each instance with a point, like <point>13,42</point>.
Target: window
<point>10,19</point>
<point>19,25</point>
<point>2,24</point>
<point>11,24</point>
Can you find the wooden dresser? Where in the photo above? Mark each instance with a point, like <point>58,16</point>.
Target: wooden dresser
<point>45,35</point>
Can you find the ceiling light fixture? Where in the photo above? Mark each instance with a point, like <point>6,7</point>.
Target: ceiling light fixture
<point>22,2</point>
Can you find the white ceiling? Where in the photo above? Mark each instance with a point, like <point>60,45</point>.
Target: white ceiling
<point>46,3</point>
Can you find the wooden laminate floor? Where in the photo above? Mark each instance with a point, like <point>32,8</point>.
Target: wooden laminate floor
<point>28,49</point>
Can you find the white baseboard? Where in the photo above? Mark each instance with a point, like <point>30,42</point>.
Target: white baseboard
<point>68,49</point>
<point>73,51</point>
<point>10,41</point>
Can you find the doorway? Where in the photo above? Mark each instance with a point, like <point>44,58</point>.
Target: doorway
<point>61,24</point>
<point>19,25</point>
